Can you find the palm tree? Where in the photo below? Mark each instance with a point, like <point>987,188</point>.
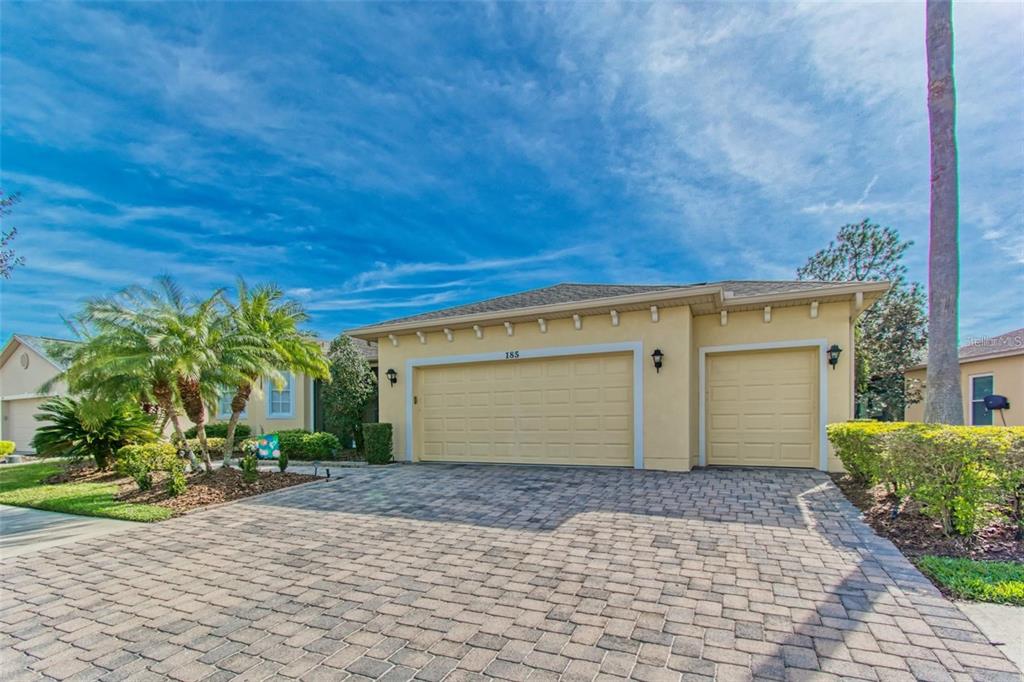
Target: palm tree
<point>943,398</point>
<point>152,344</point>
<point>118,356</point>
<point>265,340</point>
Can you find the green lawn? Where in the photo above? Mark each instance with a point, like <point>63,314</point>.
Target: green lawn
<point>1001,582</point>
<point>22,486</point>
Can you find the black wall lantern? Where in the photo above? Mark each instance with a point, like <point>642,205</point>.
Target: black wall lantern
<point>833,355</point>
<point>657,356</point>
<point>392,376</point>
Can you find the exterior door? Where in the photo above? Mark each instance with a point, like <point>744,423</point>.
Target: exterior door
<point>564,410</point>
<point>762,408</point>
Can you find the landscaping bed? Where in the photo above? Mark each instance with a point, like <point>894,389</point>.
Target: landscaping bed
<point>918,535</point>
<point>203,490</point>
<point>223,485</point>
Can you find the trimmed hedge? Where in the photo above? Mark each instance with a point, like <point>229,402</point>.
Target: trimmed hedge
<point>6,447</point>
<point>220,430</point>
<point>377,439</point>
<point>299,444</point>
<point>960,475</point>
<point>858,446</point>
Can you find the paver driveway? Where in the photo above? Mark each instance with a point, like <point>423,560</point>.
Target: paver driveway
<point>445,572</point>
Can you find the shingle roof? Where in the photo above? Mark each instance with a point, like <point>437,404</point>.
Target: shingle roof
<point>43,345</point>
<point>1004,343</point>
<point>573,292</point>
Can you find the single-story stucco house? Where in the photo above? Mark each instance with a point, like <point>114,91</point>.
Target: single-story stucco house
<point>652,377</point>
<point>989,366</point>
<point>26,364</point>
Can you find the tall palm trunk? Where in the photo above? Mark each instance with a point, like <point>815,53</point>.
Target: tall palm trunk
<point>943,403</point>
<point>195,408</point>
<point>165,398</point>
<point>238,403</point>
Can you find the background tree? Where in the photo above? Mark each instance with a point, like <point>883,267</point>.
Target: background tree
<point>90,427</point>
<point>943,402</point>
<point>353,385</point>
<point>890,335</point>
<point>8,259</point>
<point>265,340</point>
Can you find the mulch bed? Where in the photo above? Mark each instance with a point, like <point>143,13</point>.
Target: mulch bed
<point>204,490</point>
<point>916,534</point>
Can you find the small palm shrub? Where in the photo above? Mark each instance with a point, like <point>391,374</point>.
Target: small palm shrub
<point>6,447</point>
<point>378,443</point>
<point>282,461</point>
<point>90,428</point>
<point>250,468</point>
<point>140,461</point>
<point>218,430</point>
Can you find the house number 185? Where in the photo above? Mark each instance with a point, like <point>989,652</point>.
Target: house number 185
<point>511,354</point>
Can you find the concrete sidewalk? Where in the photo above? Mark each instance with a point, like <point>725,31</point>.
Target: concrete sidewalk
<point>1002,624</point>
<point>26,530</point>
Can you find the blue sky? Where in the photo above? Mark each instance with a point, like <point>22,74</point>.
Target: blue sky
<point>378,160</point>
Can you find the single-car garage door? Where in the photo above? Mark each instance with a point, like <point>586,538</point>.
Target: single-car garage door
<point>762,408</point>
<point>564,410</point>
<point>19,423</point>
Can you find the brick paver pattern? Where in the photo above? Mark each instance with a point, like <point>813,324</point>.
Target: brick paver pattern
<point>474,572</point>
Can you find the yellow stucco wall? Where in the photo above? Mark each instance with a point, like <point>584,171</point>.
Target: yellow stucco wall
<point>665,395</point>
<point>256,411</point>
<point>1008,380</point>
<point>787,324</point>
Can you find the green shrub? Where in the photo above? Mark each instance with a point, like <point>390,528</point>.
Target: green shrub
<point>176,481</point>
<point>282,461</point>
<point>946,470</point>
<point>247,446</point>
<point>959,474</point>
<point>378,439</point>
<point>220,430</point>
<point>250,468</point>
<point>303,445</point>
<point>6,447</point>
<point>1007,465</point>
<point>90,427</point>
<point>991,581</point>
<point>858,446</point>
<point>140,461</point>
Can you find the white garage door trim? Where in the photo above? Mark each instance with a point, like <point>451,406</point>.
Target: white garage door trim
<point>635,347</point>
<point>821,344</point>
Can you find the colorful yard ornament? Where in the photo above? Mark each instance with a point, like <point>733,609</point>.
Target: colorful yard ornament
<point>268,447</point>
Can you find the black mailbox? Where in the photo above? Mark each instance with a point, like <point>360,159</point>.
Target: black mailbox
<point>996,402</point>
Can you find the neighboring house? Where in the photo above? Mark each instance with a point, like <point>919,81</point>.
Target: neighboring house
<point>652,377</point>
<point>25,365</point>
<point>988,366</point>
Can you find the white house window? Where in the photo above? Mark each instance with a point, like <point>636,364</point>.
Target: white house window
<point>281,396</point>
<point>981,386</point>
<point>224,404</point>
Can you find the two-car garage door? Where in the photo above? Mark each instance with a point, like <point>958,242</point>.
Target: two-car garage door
<point>559,410</point>
<point>762,408</point>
